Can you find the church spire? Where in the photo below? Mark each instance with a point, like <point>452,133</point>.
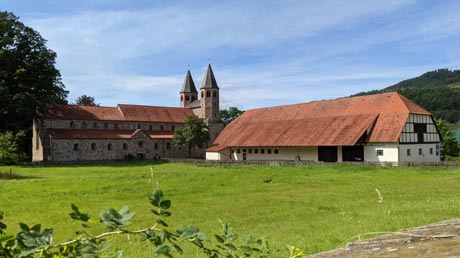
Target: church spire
<point>209,81</point>
<point>189,85</point>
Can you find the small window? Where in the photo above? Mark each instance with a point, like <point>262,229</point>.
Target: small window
<point>187,98</point>
<point>420,151</point>
<point>256,151</point>
<point>214,94</point>
<point>168,146</point>
<point>156,146</point>
<point>125,146</point>
<point>250,151</point>
<point>181,98</point>
<point>408,152</point>
<point>431,151</point>
<point>193,98</point>
<point>379,152</point>
<point>95,125</point>
<point>172,128</point>
<point>71,124</point>
<point>202,94</point>
<point>106,125</point>
<point>109,146</point>
<point>233,150</point>
<point>138,126</point>
<point>150,127</point>
<point>115,125</point>
<point>244,150</point>
<point>140,144</point>
<point>84,125</point>
<point>76,147</point>
<point>262,151</point>
<point>238,150</point>
<point>93,146</point>
<point>161,128</point>
<point>269,151</point>
<point>276,151</point>
<point>208,94</point>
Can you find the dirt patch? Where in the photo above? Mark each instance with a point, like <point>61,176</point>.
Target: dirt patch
<point>440,239</point>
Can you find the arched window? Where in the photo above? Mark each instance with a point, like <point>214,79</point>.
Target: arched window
<point>125,146</point>
<point>76,147</point>
<point>208,94</point>
<point>168,146</point>
<point>187,97</point>
<point>93,146</point>
<point>156,146</point>
<point>109,146</point>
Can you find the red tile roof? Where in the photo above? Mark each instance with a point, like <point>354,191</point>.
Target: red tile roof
<point>340,121</point>
<point>119,113</point>
<point>106,134</point>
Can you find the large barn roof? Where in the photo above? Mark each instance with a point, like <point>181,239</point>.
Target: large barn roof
<point>120,113</point>
<point>343,121</point>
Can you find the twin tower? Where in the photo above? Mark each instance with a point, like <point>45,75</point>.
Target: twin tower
<point>207,106</point>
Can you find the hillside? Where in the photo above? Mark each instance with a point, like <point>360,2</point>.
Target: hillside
<point>438,91</point>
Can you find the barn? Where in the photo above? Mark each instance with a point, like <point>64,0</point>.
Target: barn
<point>385,127</point>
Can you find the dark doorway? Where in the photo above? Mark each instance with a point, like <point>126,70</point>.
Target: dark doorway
<point>140,156</point>
<point>353,153</point>
<point>327,153</point>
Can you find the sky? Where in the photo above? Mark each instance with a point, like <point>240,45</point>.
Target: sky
<point>263,53</point>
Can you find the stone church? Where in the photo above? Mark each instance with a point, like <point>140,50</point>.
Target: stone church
<point>93,133</point>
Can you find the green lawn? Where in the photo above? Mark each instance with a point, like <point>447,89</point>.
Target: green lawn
<point>314,207</point>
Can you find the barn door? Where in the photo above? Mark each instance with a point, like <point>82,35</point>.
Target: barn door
<point>327,153</point>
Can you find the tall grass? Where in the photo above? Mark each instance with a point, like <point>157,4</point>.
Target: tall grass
<point>316,207</point>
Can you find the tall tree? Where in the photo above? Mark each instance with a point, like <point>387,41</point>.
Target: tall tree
<point>449,146</point>
<point>28,77</point>
<point>229,115</point>
<point>194,133</point>
<point>85,100</point>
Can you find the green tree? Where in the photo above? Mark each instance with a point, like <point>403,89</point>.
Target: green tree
<point>85,100</point>
<point>449,146</point>
<point>28,77</point>
<point>229,115</point>
<point>194,133</point>
<point>8,149</point>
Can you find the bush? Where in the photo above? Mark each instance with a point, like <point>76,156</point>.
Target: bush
<point>8,149</point>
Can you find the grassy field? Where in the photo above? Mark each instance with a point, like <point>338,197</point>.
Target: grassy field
<point>314,207</point>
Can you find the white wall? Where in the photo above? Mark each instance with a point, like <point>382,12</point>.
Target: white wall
<point>426,156</point>
<point>284,153</point>
<point>216,155</point>
<point>390,153</point>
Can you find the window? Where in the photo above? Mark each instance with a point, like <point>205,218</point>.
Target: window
<point>156,146</point>
<point>168,146</point>
<point>408,152</point>
<point>76,147</point>
<point>262,151</point>
<point>109,146</point>
<point>420,129</point>
<point>93,146</point>
<point>181,98</point>
<point>140,144</point>
<point>420,151</point>
<point>379,152</point>
<point>431,151</point>
<point>238,150</point>
<point>202,94</point>
<point>115,125</point>
<point>150,127</point>
<point>193,98</point>
<point>187,98</point>
<point>94,125</point>
<point>106,125</point>
<point>276,151</point>
<point>84,125</point>
<point>244,150</point>
<point>138,126</point>
<point>233,150</point>
<point>125,146</point>
<point>269,151</point>
<point>250,151</point>
<point>71,124</point>
<point>161,128</point>
<point>172,128</point>
<point>208,94</point>
<point>256,151</point>
<point>214,94</point>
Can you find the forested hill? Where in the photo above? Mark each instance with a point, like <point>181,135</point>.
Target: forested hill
<point>437,91</point>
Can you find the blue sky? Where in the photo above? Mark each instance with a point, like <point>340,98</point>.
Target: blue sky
<point>263,53</point>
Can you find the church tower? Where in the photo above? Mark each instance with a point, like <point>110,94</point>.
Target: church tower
<point>210,97</point>
<point>188,93</point>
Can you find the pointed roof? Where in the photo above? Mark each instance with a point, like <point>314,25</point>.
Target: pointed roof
<point>189,85</point>
<point>209,81</point>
